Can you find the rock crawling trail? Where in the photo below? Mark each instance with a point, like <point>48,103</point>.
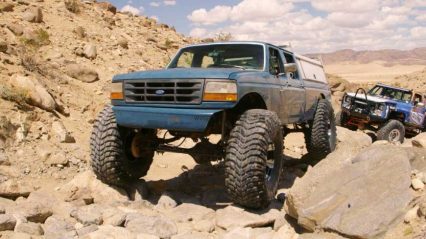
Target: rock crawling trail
<point>56,62</point>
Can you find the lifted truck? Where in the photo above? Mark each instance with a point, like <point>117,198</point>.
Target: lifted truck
<point>390,111</point>
<point>248,92</point>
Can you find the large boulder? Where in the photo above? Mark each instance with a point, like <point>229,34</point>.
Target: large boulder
<point>82,73</point>
<point>356,139</point>
<point>419,141</point>
<point>33,15</point>
<point>86,183</point>
<point>356,196</point>
<point>35,91</point>
<point>13,189</point>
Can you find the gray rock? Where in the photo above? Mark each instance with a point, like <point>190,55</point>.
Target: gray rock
<point>86,230</point>
<point>417,184</point>
<point>30,228</point>
<point>58,159</point>
<point>87,183</point>
<point>187,212</point>
<point>90,51</point>
<point>32,211</point>
<point>166,201</point>
<point>411,215</point>
<point>371,193</point>
<point>33,15</point>
<point>14,189</point>
<point>110,232</point>
<point>355,139</point>
<point>58,228</point>
<point>204,226</point>
<point>16,29</point>
<point>87,215</point>
<point>231,217</point>
<point>62,134</point>
<point>82,73</point>
<point>419,141</point>
<point>246,232</point>
<point>37,93</point>
<point>113,217</point>
<point>155,225</point>
<point>7,222</point>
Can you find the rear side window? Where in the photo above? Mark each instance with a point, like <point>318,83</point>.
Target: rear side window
<point>275,62</point>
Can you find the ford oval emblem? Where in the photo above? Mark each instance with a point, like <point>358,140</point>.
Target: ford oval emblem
<point>160,92</point>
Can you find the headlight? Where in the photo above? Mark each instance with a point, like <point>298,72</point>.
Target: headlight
<point>220,91</point>
<point>116,91</point>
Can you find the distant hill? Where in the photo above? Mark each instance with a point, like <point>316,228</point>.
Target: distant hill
<point>416,56</point>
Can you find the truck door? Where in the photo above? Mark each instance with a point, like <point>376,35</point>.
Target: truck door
<point>418,112</point>
<point>276,70</point>
<point>293,93</point>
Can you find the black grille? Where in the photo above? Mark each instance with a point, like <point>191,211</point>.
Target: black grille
<point>164,91</point>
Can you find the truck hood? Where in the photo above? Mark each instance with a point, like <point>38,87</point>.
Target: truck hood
<point>181,73</point>
<point>371,98</point>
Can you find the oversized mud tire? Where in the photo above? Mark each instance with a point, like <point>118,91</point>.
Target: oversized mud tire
<point>392,131</point>
<point>253,158</point>
<point>320,136</point>
<point>112,159</point>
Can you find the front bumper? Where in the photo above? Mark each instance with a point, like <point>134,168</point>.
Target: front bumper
<point>364,116</point>
<point>179,119</point>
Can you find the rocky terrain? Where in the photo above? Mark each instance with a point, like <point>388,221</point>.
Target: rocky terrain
<point>56,61</point>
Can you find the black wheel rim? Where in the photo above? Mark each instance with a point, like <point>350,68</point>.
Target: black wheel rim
<point>331,134</point>
<point>273,165</point>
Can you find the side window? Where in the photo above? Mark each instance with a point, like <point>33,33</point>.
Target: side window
<point>275,62</point>
<point>290,59</point>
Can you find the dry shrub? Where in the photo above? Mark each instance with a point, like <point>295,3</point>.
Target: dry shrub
<point>39,38</point>
<point>72,6</point>
<point>16,95</point>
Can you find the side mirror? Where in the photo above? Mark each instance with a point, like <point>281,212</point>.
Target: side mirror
<point>290,67</point>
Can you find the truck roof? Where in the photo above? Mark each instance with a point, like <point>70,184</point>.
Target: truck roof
<point>314,61</point>
<point>394,87</point>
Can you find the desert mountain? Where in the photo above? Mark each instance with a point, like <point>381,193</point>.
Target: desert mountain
<point>57,58</point>
<point>415,56</point>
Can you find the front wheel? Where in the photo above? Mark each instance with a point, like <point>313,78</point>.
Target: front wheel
<point>392,131</point>
<point>119,155</point>
<point>320,136</point>
<point>253,158</point>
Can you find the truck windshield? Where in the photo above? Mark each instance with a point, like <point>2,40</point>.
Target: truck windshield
<point>243,56</point>
<point>390,93</point>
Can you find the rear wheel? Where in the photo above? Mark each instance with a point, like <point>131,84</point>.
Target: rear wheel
<point>253,159</point>
<point>392,131</point>
<point>119,155</point>
<point>320,136</point>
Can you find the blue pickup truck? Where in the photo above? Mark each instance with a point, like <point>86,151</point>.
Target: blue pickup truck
<point>392,112</point>
<point>250,93</point>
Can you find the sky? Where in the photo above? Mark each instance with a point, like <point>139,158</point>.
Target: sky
<point>309,26</point>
